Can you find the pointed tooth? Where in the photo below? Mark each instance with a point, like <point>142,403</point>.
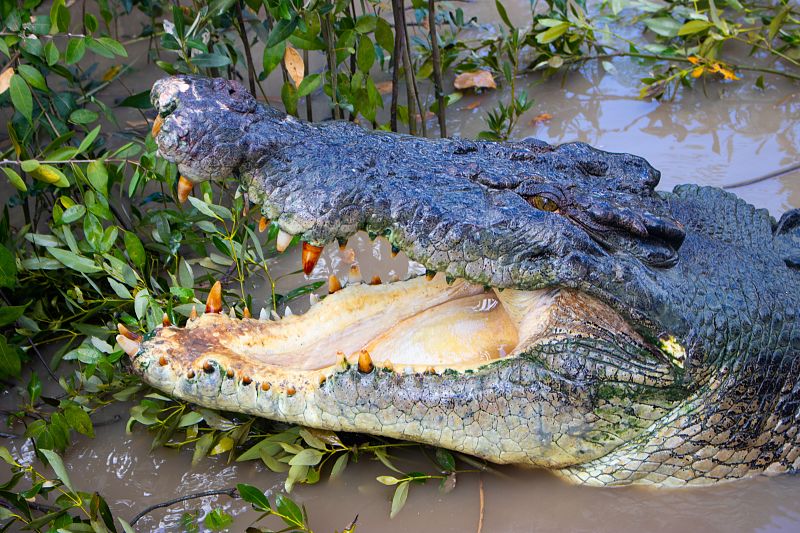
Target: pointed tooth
<point>274,315</point>
<point>333,284</point>
<point>232,313</point>
<point>342,243</point>
<point>162,361</point>
<point>246,313</point>
<point>157,123</point>
<point>262,224</point>
<point>355,275</point>
<point>287,311</point>
<point>450,280</point>
<point>128,333</point>
<point>310,257</point>
<point>263,315</point>
<point>395,250</point>
<point>130,346</point>
<point>165,321</point>
<point>430,274</point>
<point>184,189</point>
<point>365,362</point>
<point>283,241</point>
<point>214,301</point>
<point>313,299</point>
<point>193,313</point>
<point>376,280</point>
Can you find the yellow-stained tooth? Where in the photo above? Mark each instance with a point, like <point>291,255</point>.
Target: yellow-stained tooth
<point>184,189</point>
<point>333,284</point>
<point>365,362</point>
<point>246,313</point>
<point>283,241</point>
<point>129,346</point>
<point>376,280</point>
<point>262,224</point>
<point>214,302</point>
<point>165,321</point>
<point>355,275</point>
<point>128,333</point>
<point>157,123</point>
<point>193,313</point>
<point>310,257</point>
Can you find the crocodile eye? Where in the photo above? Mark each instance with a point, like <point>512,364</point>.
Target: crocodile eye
<point>543,203</point>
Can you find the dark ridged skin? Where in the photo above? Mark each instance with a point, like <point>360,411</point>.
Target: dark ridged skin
<point>708,281</point>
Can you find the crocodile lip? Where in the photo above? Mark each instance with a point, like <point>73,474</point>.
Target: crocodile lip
<point>417,325</point>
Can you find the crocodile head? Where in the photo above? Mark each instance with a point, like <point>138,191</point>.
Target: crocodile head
<point>553,327</point>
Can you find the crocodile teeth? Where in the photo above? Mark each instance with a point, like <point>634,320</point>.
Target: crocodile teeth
<point>283,241</point>
<point>313,299</point>
<point>214,301</point>
<point>184,189</point>
<point>310,257</point>
<point>274,315</point>
<point>193,313</point>
<point>130,346</point>
<point>165,321</point>
<point>246,313</point>
<point>355,275</point>
<point>125,332</point>
<point>263,315</point>
<point>157,123</point>
<point>365,362</point>
<point>287,312</point>
<point>262,224</point>
<point>376,280</point>
<point>333,284</point>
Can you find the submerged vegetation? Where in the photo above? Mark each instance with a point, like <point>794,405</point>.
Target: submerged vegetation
<point>93,232</point>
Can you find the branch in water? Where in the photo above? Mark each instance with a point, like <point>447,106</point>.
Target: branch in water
<point>227,492</point>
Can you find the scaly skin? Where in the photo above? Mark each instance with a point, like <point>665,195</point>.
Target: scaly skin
<point>671,356</point>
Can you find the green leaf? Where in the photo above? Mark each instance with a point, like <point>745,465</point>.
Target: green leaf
<point>365,55</point>
<point>399,498</point>
<point>445,459</point>
<point>551,34</point>
<point>49,174</point>
<point>33,77</point>
<point>289,98</point>
<point>135,249</point>
<point>10,313</point>
<point>339,466</point>
<point>292,514</point>
<point>126,527</point>
<point>273,57</point>
<point>51,53</point>
<point>666,26</point>
<point>307,457</point>
<point>503,15</point>
<point>777,22</point>
<point>21,97</point>
<point>217,520</point>
<point>88,140</point>
<point>73,213</point>
<point>388,480</point>
<point>58,467</point>
<point>83,116</point>
<point>253,496</point>
<point>79,420</point>
<point>98,175</point>
<point>10,363</point>
<point>205,60</point>
<point>76,48</point>
<point>309,85</point>
<point>15,179</point>
<point>366,24</point>
<point>8,268</point>
<point>137,101</point>
<point>282,30</point>
<point>384,35</point>
<point>694,26</point>
<point>75,261</point>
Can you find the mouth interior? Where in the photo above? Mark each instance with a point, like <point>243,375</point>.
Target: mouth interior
<point>418,323</point>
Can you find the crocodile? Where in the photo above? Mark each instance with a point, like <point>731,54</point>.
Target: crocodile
<point>569,316</point>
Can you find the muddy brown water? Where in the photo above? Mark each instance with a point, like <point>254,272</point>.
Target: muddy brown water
<point>726,135</point>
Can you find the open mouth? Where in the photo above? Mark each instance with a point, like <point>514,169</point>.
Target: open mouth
<point>425,324</point>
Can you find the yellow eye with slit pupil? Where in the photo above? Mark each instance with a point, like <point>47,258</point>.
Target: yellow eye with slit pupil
<point>543,203</point>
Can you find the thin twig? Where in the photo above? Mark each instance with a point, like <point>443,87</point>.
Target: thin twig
<point>774,174</point>
<point>437,69</point>
<point>480,499</point>
<point>41,358</point>
<point>396,62</point>
<point>251,71</point>
<point>227,492</point>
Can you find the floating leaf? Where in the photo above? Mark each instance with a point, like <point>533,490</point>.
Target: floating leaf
<point>58,467</point>
<point>399,498</point>
<point>254,496</point>
<point>478,79</point>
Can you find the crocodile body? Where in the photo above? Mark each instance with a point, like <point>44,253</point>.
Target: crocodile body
<point>649,337</point>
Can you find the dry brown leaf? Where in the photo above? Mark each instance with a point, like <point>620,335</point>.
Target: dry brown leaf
<point>478,79</point>
<point>384,87</point>
<point>5,79</point>
<point>538,119</point>
<point>111,73</point>
<point>475,104</point>
<point>294,65</point>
